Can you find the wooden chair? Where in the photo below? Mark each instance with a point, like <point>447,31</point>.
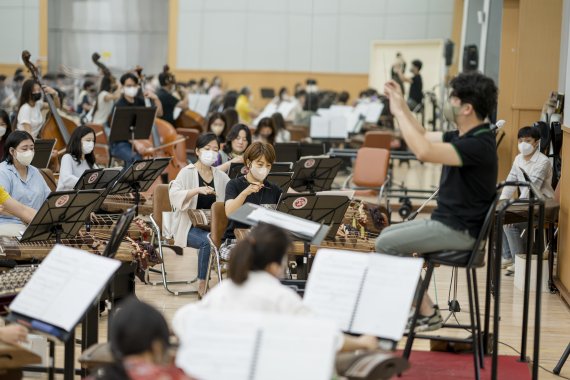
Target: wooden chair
<point>218,227</point>
<point>161,203</point>
<point>49,178</point>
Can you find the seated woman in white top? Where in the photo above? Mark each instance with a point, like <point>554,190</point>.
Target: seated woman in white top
<point>109,92</point>
<point>256,265</point>
<point>30,118</point>
<point>79,157</point>
<point>197,186</point>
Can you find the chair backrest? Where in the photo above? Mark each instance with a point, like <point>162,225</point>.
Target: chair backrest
<point>49,178</point>
<point>219,222</point>
<point>378,139</point>
<point>478,253</point>
<point>160,203</point>
<point>191,138</point>
<point>371,167</point>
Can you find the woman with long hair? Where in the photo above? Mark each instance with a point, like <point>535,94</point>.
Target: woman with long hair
<point>79,157</point>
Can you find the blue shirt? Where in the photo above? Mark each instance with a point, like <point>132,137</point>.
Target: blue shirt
<point>32,192</point>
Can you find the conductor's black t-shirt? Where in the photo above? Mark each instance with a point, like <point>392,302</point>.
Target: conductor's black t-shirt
<point>416,88</point>
<point>169,102</point>
<point>466,191</point>
<point>268,195</point>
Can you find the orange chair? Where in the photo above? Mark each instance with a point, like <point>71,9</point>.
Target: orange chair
<point>378,139</point>
<point>191,139</point>
<point>370,173</point>
<point>218,226</point>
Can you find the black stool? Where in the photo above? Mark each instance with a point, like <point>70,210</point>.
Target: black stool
<point>470,260</point>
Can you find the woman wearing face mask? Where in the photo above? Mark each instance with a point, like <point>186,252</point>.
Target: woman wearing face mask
<point>237,141</point>
<point>79,157</point>
<point>265,131</point>
<point>197,186</point>
<point>5,129</point>
<point>30,118</point>
<point>217,124</point>
<point>22,181</point>
<point>250,188</point>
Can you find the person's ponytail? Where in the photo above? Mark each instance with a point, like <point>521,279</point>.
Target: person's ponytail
<point>241,261</point>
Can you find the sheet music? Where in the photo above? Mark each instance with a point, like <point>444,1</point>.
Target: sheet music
<point>269,110</point>
<point>199,103</point>
<point>285,108</point>
<point>319,126</point>
<point>176,112</point>
<point>385,298</point>
<point>371,111</point>
<point>288,222</point>
<point>387,295</point>
<point>64,286</point>
<point>334,283</point>
<point>240,346</point>
<point>345,193</point>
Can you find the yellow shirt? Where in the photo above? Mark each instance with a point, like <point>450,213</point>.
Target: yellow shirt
<point>243,109</point>
<point>4,196</point>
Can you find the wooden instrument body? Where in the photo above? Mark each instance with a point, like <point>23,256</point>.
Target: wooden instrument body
<point>192,120</point>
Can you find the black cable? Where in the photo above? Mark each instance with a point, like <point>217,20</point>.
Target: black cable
<point>530,361</point>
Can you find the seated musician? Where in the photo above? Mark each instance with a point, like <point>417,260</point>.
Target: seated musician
<point>256,265</point>
<point>237,141</point>
<point>539,168</point>
<point>5,129</point>
<point>30,118</point>
<point>282,134</point>
<point>250,188</point>
<point>109,92</point>
<point>244,108</point>
<point>169,101</point>
<point>21,180</point>
<point>79,157</point>
<point>265,131</point>
<point>217,124</point>
<point>11,206</point>
<point>468,179</point>
<point>139,338</point>
<point>197,186</point>
<point>130,83</point>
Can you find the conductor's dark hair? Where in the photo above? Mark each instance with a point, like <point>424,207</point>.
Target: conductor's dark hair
<point>233,134</point>
<point>417,63</point>
<point>12,141</point>
<point>74,146</point>
<point>129,75</point>
<point>476,89</point>
<point>531,132</point>
<point>135,327</point>
<point>265,244</point>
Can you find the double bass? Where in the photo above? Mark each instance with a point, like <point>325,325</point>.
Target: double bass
<point>187,118</point>
<point>55,126</point>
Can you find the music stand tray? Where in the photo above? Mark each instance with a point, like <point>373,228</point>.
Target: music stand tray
<point>61,216</point>
<point>327,209</point>
<point>281,179</point>
<point>131,123</point>
<point>242,215</point>
<point>96,179</point>
<point>42,155</point>
<point>313,174</point>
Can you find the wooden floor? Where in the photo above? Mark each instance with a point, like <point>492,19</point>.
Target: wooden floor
<point>555,331</point>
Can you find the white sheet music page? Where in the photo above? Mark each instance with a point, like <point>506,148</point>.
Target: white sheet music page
<point>64,286</point>
<point>387,296</point>
<point>288,222</point>
<point>334,283</point>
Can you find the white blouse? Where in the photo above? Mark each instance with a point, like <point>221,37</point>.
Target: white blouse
<point>70,172</point>
<point>32,116</point>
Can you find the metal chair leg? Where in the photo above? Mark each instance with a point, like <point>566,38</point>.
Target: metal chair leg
<point>478,318</point>
<point>474,331</point>
<point>423,288</point>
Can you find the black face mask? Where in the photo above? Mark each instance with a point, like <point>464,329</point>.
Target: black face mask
<point>36,96</point>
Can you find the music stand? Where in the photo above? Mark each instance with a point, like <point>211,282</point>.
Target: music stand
<point>119,232</point>
<point>131,123</point>
<point>267,93</point>
<point>327,209</point>
<point>311,149</point>
<point>138,178</point>
<point>96,179</point>
<point>281,179</point>
<point>287,152</point>
<point>315,174</point>
<point>42,155</point>
<point>61,216</point>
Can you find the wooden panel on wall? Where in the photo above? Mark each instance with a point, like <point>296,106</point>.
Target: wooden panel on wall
<point>563,267</point>
<point>456,29</point>
<point>353,83</point>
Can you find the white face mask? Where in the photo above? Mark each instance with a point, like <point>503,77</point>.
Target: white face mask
<point>87,146</point>
<point>259,173</point>
<point>208,157</point>
<point>25,158</point>
<point>217,129</point>
<point>526,148</point>
<point>2,131</point>
<point>131,91</point>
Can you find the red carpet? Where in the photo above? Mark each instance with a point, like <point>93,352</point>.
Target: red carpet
<point>427,365</point>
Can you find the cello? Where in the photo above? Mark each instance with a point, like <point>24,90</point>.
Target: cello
<point>55,126</point>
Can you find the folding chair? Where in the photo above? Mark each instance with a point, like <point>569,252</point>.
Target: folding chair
<point>161,203</point>
<point>218,226</point>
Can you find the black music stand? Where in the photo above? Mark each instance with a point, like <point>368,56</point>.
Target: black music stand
<point>312,174</point>
<point>311,149</point>
<point>281,179</point>
<point>327,209</point>
<point>131,123</point>
<point>237,170</point>
<point>61,216</point>
<point>42,155</point>
<point>138,178</point>
<point>96,179</point>
<point>287,152</point>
